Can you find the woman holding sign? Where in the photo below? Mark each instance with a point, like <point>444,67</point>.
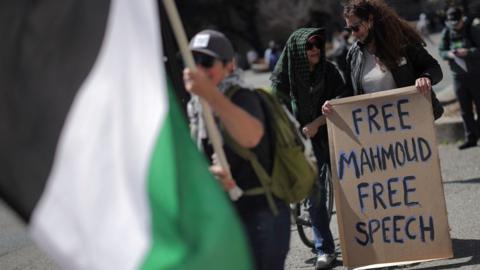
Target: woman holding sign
<point>388,53</point>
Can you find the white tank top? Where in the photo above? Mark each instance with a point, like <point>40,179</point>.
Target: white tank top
<point>375,76</point>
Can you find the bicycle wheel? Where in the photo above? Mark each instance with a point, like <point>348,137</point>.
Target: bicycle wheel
<point>329,195</point>
<point>304,225</point>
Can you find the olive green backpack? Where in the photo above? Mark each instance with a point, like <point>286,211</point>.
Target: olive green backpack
<point>294,171</point>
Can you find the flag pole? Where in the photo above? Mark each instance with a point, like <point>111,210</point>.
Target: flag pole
<point>212,129</point>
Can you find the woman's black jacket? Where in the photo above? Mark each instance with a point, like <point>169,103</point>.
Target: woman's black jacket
<point>416,63</point>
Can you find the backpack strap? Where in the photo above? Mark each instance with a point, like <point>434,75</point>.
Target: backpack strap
<point>247,154</point>
<point>262,175</point>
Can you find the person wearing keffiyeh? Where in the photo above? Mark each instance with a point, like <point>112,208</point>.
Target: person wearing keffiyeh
<point>245,121</point>
<point>303,79</point>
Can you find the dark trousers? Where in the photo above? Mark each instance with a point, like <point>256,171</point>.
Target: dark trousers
<point>268,235</point>
<point>468,93</point>
<point>318,209</point>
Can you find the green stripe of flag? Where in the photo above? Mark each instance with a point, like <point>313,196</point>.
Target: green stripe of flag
<point>194,225</point>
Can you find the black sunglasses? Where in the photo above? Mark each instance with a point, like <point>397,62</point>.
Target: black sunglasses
<point>354,28</point>
<point>204,60</point>
<point>314,41</point>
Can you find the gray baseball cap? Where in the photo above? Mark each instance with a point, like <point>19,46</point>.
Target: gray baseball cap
<point>212,43</point>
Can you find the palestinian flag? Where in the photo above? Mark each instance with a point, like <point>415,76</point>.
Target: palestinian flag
<point>94,151</point>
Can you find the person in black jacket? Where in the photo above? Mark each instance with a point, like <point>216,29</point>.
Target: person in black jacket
<point>303,79</point>
<point>460,47</point>
<point>388,53</point>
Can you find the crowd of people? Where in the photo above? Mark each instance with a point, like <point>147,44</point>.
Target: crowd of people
<point>387,53</point>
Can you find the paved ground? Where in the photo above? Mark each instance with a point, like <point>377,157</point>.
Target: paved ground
<point>17,251</point>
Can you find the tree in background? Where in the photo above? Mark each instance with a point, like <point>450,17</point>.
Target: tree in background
<point>237,19</point>
<point>250,24</point>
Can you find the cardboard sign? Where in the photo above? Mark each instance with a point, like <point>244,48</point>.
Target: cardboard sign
<point>387,180</point>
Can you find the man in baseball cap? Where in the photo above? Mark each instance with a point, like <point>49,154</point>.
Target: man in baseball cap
<point>244,121</point>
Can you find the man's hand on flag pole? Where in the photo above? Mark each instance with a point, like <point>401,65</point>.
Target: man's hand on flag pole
<point>198,83</point>
<point>222,176</point>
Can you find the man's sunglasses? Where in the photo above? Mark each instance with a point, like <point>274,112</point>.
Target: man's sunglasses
<point>314,41</point>
<point>354,28</point>
<point>203,60</point>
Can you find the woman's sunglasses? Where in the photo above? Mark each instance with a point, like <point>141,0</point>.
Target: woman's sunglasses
<point>314,41</point>
<point>354,28</point>
<point>204,60</point>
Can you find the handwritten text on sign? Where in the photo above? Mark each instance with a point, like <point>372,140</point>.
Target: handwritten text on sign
<point>386,162</point>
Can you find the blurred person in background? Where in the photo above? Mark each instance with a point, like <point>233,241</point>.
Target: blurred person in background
<point>423,25</point>
<point>459,45</point>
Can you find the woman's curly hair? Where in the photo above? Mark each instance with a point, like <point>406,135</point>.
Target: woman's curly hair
<point>390,32</point>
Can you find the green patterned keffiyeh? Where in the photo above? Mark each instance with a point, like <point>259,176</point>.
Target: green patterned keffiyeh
<point>292,80</point>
